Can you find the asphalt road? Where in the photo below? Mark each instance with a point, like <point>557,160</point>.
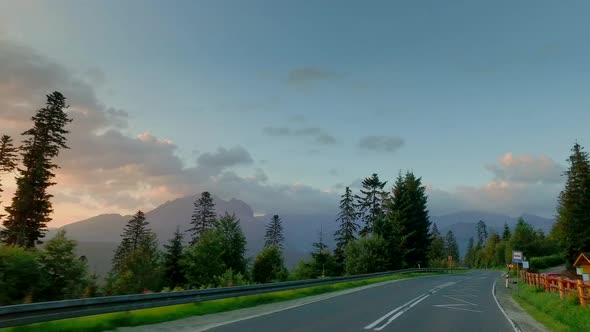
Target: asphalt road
<point>461,302</point>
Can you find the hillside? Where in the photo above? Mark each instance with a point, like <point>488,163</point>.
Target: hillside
<point>98,236</point>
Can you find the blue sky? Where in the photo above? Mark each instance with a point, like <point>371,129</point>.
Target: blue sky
<point>462,83</point>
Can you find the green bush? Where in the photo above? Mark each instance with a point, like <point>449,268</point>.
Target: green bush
<point>20,275</point>
<point>544,262</point>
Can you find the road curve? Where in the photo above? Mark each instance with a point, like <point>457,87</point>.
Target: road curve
<point>461,302</point>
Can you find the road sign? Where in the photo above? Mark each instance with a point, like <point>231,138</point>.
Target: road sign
<point>525,264</point>
<point>517,256</point>
<point>510,266</point>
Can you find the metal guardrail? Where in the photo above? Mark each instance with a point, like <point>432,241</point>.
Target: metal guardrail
<point>21,314</point>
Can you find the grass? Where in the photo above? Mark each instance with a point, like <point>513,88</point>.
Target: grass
<point>111,321</point>
<point>556,314</point>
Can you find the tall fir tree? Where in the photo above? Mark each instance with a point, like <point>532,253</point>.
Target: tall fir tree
<point>409,215</point>
<point>137,260</point>
<point>348,224</point>
<point>437,247</point>
<point>451,246</point>
<point>482,233</point>
<point>571,229</point>
<point>470,254</point>
<point>506,233</point>
<point>234,243</point>
<point>8,159</point>
<point>274,233</point>
<point>134,233</point>
<point>173,273</point>
<point>370,204</point>
<point>31,206</point>
<point>203,217</point>
<point>321,254</point>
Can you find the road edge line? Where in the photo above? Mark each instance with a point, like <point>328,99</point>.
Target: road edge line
<point>516,329</point>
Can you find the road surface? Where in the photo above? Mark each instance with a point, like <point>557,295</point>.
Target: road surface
<point>461,302</point>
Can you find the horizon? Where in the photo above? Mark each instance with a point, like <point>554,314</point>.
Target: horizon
<point>282,106</point>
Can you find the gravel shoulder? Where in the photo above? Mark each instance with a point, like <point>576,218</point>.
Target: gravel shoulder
<point>523,321</point>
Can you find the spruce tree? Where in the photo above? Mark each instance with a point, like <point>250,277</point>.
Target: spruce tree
<point>203,217</point>
<point>506,233</point>
<point>437,247</point>
<point>8,159</point>
<point>409,215</point>
<point>31,207</point>
<point>451,246</point>
<point>274,233</point>
<point>348,225</point>
<point>470,254</point>
<point>134,234</point>
<point>173,274</point>
<point>321,255</point>
<point>482,233</point>
<point>370,204</point>
<point>571,230</point>
<point>234,243</point>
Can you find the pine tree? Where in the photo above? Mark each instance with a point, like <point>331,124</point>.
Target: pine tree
<point>274,233</point>
<point>470,255</point>
<point>571,229</point>
<point>31,207</point>
<point>203,217</point>
<point>409,215</point>
<point>8,159</point>
<point>321,254</point>
<point>234,243</point>
<point>348,225</point>
<point>506,233</point>
<point>370,204</point>
<point>451,246</point>
<point>173,274</point>
<point>482,233</point>
<point>134,234</point>
<point>437,247</point>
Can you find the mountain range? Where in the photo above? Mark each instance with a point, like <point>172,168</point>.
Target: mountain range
<point>98,236</point>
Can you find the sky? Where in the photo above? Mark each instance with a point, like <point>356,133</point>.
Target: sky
<point>284,103</point>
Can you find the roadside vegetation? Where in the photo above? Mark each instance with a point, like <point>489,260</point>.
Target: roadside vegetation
<point>163,314</point>
<point>551,311</point>
<point>380,230</point>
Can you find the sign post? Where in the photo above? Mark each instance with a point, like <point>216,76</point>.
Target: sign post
<point>517,258</point>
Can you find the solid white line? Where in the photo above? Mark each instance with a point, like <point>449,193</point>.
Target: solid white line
<point>456,299</point>
<point>502,309</point>
<point>399,314</point>
<point>452,306</point>
<point>382,318</point>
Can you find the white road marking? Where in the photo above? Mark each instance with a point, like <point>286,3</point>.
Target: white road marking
<point>516,329</point>
<point>382,318</point>
<point>399,314</point>
<point>454,306</point>
<point>456,299</point>
<point>405,307</point>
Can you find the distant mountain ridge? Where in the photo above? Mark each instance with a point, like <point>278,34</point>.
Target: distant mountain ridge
<point>98,236</point>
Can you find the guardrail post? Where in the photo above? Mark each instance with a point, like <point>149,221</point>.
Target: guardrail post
<point>583,300</point>
<point>537,284</point>
<point>561,290</point>
<point>546,283</point>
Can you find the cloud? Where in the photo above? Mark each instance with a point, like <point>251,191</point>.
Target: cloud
<point>381,143</point>
<point>297,119</point>
<point>333,172</point>
<point>520,184</point>
<point>306,75</point>
<point>527,169</point>
<point>319,135</point>
<point>107,171</point>
<point>224,158</point>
